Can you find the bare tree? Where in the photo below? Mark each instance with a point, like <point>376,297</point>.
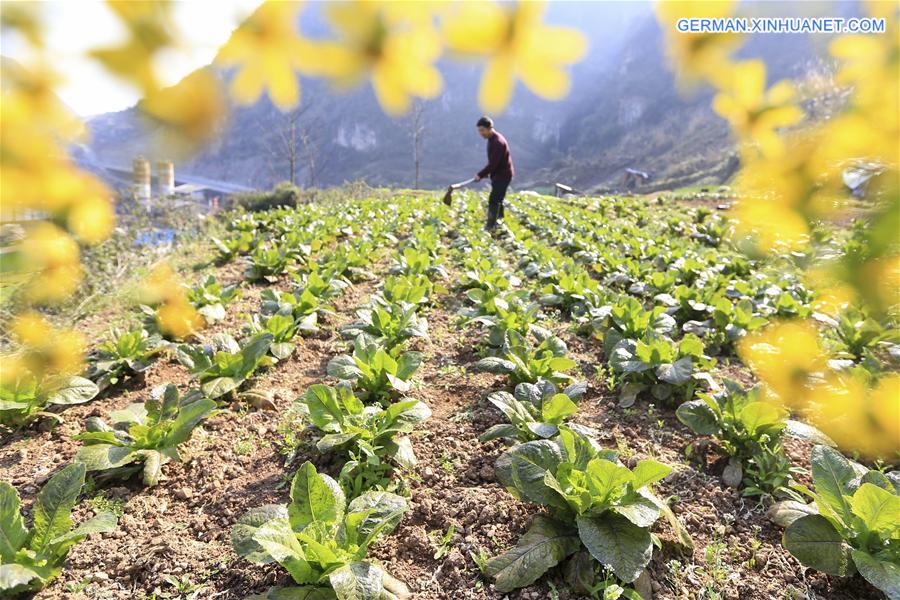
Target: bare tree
<point>283,142</point>
<point>417,130</point>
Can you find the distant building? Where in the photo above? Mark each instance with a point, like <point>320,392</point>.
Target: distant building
<point>634,178</point>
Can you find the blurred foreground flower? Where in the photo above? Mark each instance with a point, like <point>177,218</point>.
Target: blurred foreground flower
<point>186,114</point>
<point>149,28</point>
<point>267,50</point>
<point>858,418</point>
<point>698,56</point>
<point>42,349</point>
<point>755,113</point>
<point>164,298</point>
<point>49,261</point>
<point>516,44</point>
<point>785,356</point>
<point>394,43</point>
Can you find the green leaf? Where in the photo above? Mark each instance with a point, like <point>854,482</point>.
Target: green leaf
<point>306,592</point>
<point>102,522</point>
<point>528,463</point>
<point>152,467</point>
<point>220,386</point>
<point>343,367</point>
<point>53,507</point>
<point>787,511</point>
<point>882,574</point>
<point>12,526</point>
<point>374,513</point>
<point>815,542</point>
<point>606,478</point>
<point>647,472</point>
<point>358,581</point>
<point>697,415</point>
<point>495,365</point>
<point>641,511</point>
<point>277,539</point>
<point>255,349</point>
<point>878,508</point>
<point>832,474</point>
<point>408,364</point>
<point>188,418</point>
<point>557,408</point>
<point>503,430</point>
<point>544,545</point>
<point>759,416</point>
<point>676,373</point>
<point>562,364</point>
<point>246,527</point>
<point>70,390</point>
<point>101,457</point>
<point>314,497</point>
<point>16,578</point>
<point>616,543</point>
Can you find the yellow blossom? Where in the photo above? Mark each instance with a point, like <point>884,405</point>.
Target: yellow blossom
<point>753,112</point>
<point>92,219</point>
<point>394,47</point>
<point>49,256</point>
<point>24,17</point>
<point>784,356</point>
<point>698,55</point>
<point>175,315</point>
<point>45,349</point>
<point>187,113</point>
<point>517,45</point>
<point>149,29</point>
<point>178,320</point>
<point>857,418</point>
<point>267,49</point>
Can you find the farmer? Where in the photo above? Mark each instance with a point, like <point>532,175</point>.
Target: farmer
<point>499,168</point>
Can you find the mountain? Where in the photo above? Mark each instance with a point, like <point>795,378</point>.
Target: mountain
<point>624,110</point>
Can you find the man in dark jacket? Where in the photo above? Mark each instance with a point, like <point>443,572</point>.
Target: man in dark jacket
<point>499,169</point>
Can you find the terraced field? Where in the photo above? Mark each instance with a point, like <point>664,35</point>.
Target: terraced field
<point>382,400</point>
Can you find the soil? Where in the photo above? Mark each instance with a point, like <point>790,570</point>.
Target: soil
<point>179,530</point>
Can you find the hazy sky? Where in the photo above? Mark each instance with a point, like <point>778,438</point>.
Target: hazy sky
<point>77,25</point>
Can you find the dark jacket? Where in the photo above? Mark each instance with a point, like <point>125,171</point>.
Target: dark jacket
<point>500,166</point>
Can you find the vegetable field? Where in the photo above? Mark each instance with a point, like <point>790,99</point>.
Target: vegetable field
<point>376,399</point>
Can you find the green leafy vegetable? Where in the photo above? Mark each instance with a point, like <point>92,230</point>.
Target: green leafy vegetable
<point>143,436</point>
<point>321,540</point>
<point>30,557</point>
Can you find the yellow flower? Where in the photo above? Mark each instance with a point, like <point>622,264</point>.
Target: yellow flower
<point>394,46</point>
<point>161,285</point>
<point>768,224</point>
<point>175,315</point>
<point>24,17</point>
<point>267,49</point>
<point>754,112</point>
<point>698,55</point>
<point>50,257</point>
<point>178,320</point>
<point>92,219</point>
<point>516,44</point>
<point>832,296</point>
<point>188,113</point>
<point>857,418</point>
<point>149,29</point>
<point>43,348</point>
<point>784,356</point>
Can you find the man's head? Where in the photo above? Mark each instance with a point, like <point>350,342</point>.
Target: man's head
<point>485,127</point>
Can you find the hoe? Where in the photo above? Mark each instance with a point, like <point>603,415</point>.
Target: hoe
<point>455,186</point>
